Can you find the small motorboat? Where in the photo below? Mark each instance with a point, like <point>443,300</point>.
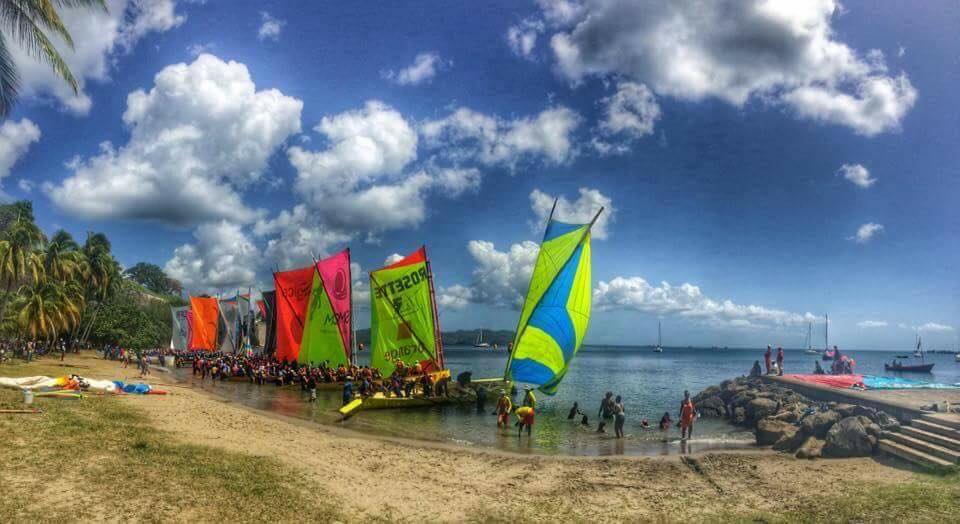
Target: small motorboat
<point>915,368</point>
<point>903,356</point>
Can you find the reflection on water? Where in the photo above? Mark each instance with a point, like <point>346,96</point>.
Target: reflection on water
<point>649,387</point>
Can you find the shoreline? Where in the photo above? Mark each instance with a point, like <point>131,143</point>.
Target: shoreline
<point>367,476</point>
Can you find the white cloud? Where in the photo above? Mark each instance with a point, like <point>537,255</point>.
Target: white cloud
<point>500,278</point>
<point>99,37</point>
<point>630,113</point>
<point>25,185</point>
<point>934,327</point>
<point>221,258</point>
<point>901,51</point>
<point>687,300</point>
<point>199,135</point>
<point>866,232</point>
<point>468,135</point>
<point>454,181</point>
<point>423,69</point>
<point>776,51</point>
<point>522,37</point>
<point>199,49</point>
<point>857,174</point>
<point>872,324</point>
<point>298,235</point>
<point>579,211</point>
<point>15,140</point>
<point>392,259</point>
<point>270,27</point>
<point>454,297</point>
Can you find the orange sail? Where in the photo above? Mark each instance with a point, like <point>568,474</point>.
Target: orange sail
<point>205,318</point>
<point>293,296</point>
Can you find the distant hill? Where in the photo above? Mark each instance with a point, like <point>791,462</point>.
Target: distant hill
<point>461,337</point>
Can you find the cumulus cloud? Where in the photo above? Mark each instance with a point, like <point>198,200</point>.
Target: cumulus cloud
<point>500,277</point>
<point>469,135</point>
<point>270,27</point>
<point>15,140</point>
<point>201,133</point>
<point>424,67</point>
<point>522,37</point>
<point>857,174</point>
<point>934,327</point>
<point>294,237</point>
<point>866,233</point>
<point>392,259</point>
<point>629,114</point>
<point>25,185</point>
<point>99,37</point>
<point>781,52</point>
<point>454,181</point>
<point>687,300</point>
<point>872,324</point>
<point>223,257</point>
<point>579,211</point>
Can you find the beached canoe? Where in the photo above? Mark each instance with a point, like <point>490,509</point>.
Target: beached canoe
<point>379,401</point>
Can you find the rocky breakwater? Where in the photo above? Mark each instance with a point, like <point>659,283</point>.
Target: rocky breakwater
<point>792,423</point>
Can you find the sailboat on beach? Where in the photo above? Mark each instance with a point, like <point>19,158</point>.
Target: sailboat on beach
<point>659,348</point>
<point>556,310</point>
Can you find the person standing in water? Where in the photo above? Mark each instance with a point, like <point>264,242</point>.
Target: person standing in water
<point>525,416</point>
<point>767,357</point>
<point>619,417</point>
<point>504,405</point>
<point>606,411</point>
<point>686,417</point>
<point>780,361</point>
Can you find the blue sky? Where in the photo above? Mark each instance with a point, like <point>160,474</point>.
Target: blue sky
<point>762,163</point>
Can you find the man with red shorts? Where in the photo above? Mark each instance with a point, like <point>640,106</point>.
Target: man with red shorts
<point>686,417</point>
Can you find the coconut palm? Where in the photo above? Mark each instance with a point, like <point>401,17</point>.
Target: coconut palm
<point>27,23</point>
<point>19,260</point>
<point>102,275</point>
<point>63,261</point>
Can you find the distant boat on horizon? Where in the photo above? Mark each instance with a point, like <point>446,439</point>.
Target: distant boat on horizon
<point>659,348</point>
<point>810,350</point>
<point>480,343</point>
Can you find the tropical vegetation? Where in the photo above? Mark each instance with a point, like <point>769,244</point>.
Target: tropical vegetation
<point>57,289</point>
<point>27,23</point>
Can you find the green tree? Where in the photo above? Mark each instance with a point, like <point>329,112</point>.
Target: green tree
<point>27,23</point>
<point>151,277</point>
<point>19,258</point>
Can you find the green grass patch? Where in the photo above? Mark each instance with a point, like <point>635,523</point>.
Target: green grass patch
<point>97,458</point>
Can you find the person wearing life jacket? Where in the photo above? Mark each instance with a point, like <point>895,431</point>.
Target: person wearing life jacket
<point>525,415</point>
<point>504,406</point>
<point>686,417</point>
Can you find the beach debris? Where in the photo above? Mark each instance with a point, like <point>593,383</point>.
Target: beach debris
<point>71,385</point>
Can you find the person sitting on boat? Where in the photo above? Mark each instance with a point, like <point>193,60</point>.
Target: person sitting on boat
<point>408,386</point>
<point>427,382</point>
<point>504,407</point>
<point>417,369</point>
<point>440,389</point>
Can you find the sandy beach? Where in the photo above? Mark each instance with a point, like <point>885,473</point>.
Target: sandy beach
<point>365,477</point>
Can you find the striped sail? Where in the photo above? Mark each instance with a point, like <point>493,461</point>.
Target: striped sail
<point>556,310</point>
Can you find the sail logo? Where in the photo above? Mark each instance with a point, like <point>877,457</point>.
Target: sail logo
<point>341,285</point>
<point>408,281</point>
<point>337,318</point>
<point>297,292</point>
<point>401,352</point>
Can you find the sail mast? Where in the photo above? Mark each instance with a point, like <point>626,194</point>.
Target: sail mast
<point>437,335</point>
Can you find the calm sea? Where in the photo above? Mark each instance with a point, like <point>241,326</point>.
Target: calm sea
<point>650,384</point>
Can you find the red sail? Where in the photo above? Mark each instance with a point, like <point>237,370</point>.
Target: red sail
<point>293,296</point>
<point>205,322</point>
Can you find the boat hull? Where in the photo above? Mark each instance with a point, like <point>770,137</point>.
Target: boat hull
<point>922,368</point>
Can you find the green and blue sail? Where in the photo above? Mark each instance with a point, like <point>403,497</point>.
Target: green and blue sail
<point>556,310</point>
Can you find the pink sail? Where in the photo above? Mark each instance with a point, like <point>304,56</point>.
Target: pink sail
<point>335,273</point>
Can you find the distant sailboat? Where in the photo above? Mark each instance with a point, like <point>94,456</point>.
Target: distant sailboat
<point>896,365</point>
<point>810,350</point>
<point>480,343</point>
<point>659,348</point>
<point>828,354</point>
<point>918,353</point>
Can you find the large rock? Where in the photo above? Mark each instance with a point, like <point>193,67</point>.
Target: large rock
<point>849,438</point>
<point>769,431</point>
<point>811,448</point>
<point>759,408</point>
<point>846,410</point>
<point>742,398</point>
<point>817,424</point>
<point>790,441</point>
<point>712,407</point>
<point>739,415</point>
<point>886,422</point>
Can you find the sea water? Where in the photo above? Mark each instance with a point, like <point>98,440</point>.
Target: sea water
<point>650,384</point>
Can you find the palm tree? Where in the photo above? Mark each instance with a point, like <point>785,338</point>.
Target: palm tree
<point>19,260</point>
<point>26,22</point>
<point>102,274</point>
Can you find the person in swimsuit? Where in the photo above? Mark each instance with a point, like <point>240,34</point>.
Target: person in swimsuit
<point>686,417</point>
<point>619,417</point>
<point>606,411</point>
<point>504,406</point>
<point>780,361</point>
<point>767,357</point>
